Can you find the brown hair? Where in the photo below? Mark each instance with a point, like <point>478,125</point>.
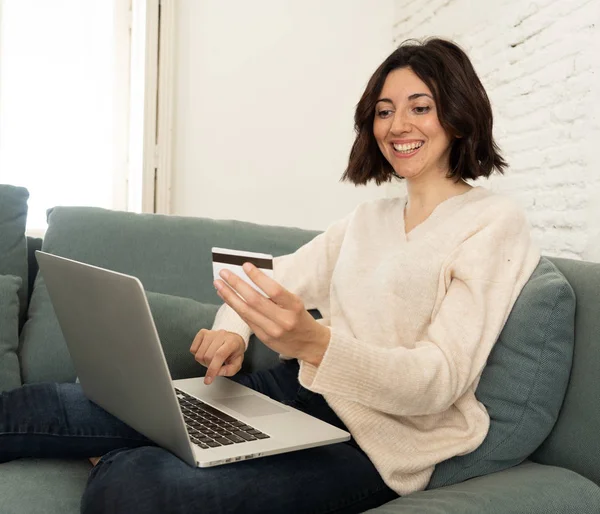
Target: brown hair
<point>463,109</point>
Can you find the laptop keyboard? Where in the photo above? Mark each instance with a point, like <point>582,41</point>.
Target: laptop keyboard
<point>209,427</point>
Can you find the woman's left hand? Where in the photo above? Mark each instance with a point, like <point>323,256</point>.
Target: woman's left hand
<point>281,321</point>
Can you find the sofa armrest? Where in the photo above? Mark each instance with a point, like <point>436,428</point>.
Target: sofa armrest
<point>528,488</point>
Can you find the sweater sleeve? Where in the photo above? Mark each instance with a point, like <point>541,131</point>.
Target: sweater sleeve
<point>306,272</point>
<point>479,283</point>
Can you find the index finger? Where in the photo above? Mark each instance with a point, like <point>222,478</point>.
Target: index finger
<point>214,366</point>
<point>279,294</point>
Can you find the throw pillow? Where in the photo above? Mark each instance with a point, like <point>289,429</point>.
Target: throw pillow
<point>13,243</point>
<point>10,374</point>
<point>524,382</point>
<point>177,321</point>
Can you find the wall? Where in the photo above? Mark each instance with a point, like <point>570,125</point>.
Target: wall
<point>265,97</point>
<point>537,62</point>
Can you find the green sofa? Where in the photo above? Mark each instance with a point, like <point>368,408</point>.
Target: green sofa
<point>171,256</point>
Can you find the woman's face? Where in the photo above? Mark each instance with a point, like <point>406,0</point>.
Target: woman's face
<point>407,129</point>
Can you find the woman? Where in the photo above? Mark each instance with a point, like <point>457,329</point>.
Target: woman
<point>413,291</point>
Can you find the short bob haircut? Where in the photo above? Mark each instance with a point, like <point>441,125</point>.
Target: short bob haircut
<point>462,106</point>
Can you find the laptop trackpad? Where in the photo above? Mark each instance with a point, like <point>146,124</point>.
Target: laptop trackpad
<point>251,406</point>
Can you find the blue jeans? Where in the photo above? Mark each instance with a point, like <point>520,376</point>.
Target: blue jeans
<point>134,475</point>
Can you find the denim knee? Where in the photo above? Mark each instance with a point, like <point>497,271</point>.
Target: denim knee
<point>145,479</point>
<point>113,485</point>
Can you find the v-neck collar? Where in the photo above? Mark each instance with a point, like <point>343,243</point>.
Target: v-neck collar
<point>439,210</point>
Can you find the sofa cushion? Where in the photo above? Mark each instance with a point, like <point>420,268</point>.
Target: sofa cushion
<point>10,374</point>
<point>48,486</point>
<point>525,489</point>
<point>169,254</point>
<point>31,486</point>
<point>525,379</point>
<point>13,244</point>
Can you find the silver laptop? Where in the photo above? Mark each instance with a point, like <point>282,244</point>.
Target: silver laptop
<point>108,327</point>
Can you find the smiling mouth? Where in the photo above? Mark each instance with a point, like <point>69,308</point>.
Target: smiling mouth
<point>408,147</point>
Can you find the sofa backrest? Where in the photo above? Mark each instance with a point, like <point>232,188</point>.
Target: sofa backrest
<point>574,443</point>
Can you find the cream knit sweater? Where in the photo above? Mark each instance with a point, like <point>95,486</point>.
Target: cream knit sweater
<point>413,319</point>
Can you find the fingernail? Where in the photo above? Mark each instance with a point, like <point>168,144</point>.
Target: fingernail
<point>247,267</point>
<point>217,285</point>
<point>225,274</point>
<point>207,380</point>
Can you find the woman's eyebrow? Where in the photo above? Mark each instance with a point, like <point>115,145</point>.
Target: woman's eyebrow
<point>414,96</point>
<point>418,95</point>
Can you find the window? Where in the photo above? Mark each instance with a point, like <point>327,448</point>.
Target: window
<point>63,107</point>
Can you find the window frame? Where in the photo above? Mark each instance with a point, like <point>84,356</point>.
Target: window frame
<point>151,106</point>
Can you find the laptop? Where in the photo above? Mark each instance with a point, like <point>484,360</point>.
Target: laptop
<point>114,345</point>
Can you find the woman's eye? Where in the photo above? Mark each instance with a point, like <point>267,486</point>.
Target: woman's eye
<point>384,113</point>
<point>422,109</point>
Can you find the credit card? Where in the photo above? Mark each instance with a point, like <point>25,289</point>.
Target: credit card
<point>232,260</point>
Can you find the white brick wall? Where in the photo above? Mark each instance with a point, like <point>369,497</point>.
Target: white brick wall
<point>538,61</point>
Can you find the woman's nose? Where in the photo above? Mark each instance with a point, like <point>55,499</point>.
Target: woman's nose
<point>400,124</point>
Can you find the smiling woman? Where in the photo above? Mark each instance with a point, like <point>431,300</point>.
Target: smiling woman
<point>435,81</point>
<point>413,292</point>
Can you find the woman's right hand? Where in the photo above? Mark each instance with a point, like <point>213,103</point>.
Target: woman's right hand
<point>220,351</point>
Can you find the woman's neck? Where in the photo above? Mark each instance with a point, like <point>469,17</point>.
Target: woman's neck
<point>426,196</point>
<point>423,198</point>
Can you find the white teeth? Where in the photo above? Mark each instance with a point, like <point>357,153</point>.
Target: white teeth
<point>408,147</point>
